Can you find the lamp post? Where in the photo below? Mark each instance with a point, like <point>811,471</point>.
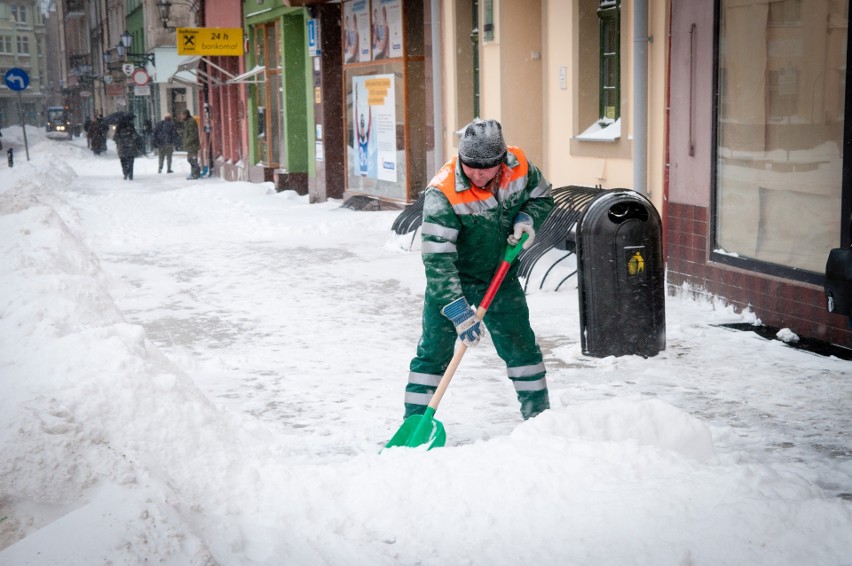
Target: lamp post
<point>126,40</point>
<point>164,8</point>
<point>107,59</point>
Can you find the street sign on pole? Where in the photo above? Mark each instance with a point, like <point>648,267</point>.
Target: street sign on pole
<point>140,77</point>
<point>17,79</point>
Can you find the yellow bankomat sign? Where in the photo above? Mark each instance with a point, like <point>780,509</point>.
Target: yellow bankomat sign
<point>210,41</point>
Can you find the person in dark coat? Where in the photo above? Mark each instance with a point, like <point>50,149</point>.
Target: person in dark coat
<point>165,138</point>
<point>98,135</point>
<point>191,143</point>
<point>126,145</point>
<point>147,132</point>
<point>87,125</point>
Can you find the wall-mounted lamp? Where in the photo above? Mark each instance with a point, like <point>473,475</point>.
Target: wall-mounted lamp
<point>164,8</point>
<point>126,40</point>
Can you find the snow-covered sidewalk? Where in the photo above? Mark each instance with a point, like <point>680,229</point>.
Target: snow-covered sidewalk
<point>203,372</point>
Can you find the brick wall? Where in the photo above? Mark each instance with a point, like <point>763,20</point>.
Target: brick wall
<point>776,302</point>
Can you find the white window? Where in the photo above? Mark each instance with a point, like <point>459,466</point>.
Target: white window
<point>19,13</point>
<point>23,45</point>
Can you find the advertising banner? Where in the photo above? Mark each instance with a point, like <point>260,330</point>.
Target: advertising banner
<point>356,31</point>
<point>386,29</point>
<point>374,106</point>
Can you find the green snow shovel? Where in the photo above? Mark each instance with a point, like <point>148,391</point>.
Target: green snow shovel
<point>419,430</point>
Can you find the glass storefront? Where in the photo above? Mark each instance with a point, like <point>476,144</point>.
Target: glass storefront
<point>780,131</point>
<point>384,98</point>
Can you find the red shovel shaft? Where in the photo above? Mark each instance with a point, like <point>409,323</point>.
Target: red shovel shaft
<point>492,289</point>
<point>425,429</point>
<point>511,253</point>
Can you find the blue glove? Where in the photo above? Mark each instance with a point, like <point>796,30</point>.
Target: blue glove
<point>523,223</point>
<point>468,325</point>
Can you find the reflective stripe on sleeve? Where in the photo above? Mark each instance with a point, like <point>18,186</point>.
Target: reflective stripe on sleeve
<point>432,229</point>
<point>542,190</point>
<point>429,247</point>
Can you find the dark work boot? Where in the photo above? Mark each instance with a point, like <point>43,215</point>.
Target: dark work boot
<point>533,403</point>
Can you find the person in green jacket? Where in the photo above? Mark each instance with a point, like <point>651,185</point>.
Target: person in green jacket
<point>489,194</point>
<point>191,143</point>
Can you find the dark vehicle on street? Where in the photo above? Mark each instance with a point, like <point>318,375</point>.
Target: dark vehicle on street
<point>58,123</point>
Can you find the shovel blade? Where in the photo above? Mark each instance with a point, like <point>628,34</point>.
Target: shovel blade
<point>420,430</point>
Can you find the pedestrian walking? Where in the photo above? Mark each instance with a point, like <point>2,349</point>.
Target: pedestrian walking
<point>165,137</point>
<point>488,194</point>
<point>147,132</point>
<point>126,145</point>
<point>87,125</point>
<point>191,143</point>
<point>98,134</point>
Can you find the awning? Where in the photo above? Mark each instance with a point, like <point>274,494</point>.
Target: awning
<point>191,66</point>
<point>249,77</point>
<point>176,80</point>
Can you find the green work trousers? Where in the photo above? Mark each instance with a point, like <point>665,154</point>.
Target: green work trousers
<point>507,321</point>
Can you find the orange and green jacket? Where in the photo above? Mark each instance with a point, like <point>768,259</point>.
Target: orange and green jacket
<point>465,228</point>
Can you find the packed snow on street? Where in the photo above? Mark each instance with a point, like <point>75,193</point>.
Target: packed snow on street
<point>206,372</point>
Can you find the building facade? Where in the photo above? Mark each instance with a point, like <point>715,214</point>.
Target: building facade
<point>23,45</point>
<point>759,188</point>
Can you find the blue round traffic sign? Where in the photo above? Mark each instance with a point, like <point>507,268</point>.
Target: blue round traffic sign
<point>17,79</point>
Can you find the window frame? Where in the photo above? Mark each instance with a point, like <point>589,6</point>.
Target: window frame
<point>266,37</point>
<point>18,9</point>
<point>609,27</point>
<point>756,265</point>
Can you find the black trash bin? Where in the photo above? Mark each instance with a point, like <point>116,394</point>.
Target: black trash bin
<point>621,276</point>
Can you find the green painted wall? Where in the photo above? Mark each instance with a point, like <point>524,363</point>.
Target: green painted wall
<point>295,98</point>
<point>297,101</point>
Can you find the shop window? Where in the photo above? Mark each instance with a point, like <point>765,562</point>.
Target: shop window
<point>268,125</point>
<point>778,198</point>
<point>384,77</point>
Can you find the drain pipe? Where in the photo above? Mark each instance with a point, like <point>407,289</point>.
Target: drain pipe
<point>640,96</point>
<point>437,85</point>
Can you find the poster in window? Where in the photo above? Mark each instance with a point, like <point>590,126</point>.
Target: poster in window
<point>374,106</point>
<point>386,28</point>
<point>356,31</point>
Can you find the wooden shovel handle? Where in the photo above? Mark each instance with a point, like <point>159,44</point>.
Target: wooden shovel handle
<point>511,253</point>
<point>462,347</point>
<point>448,375</point>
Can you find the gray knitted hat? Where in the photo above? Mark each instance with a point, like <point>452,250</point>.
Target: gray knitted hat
<point>482,145</point>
